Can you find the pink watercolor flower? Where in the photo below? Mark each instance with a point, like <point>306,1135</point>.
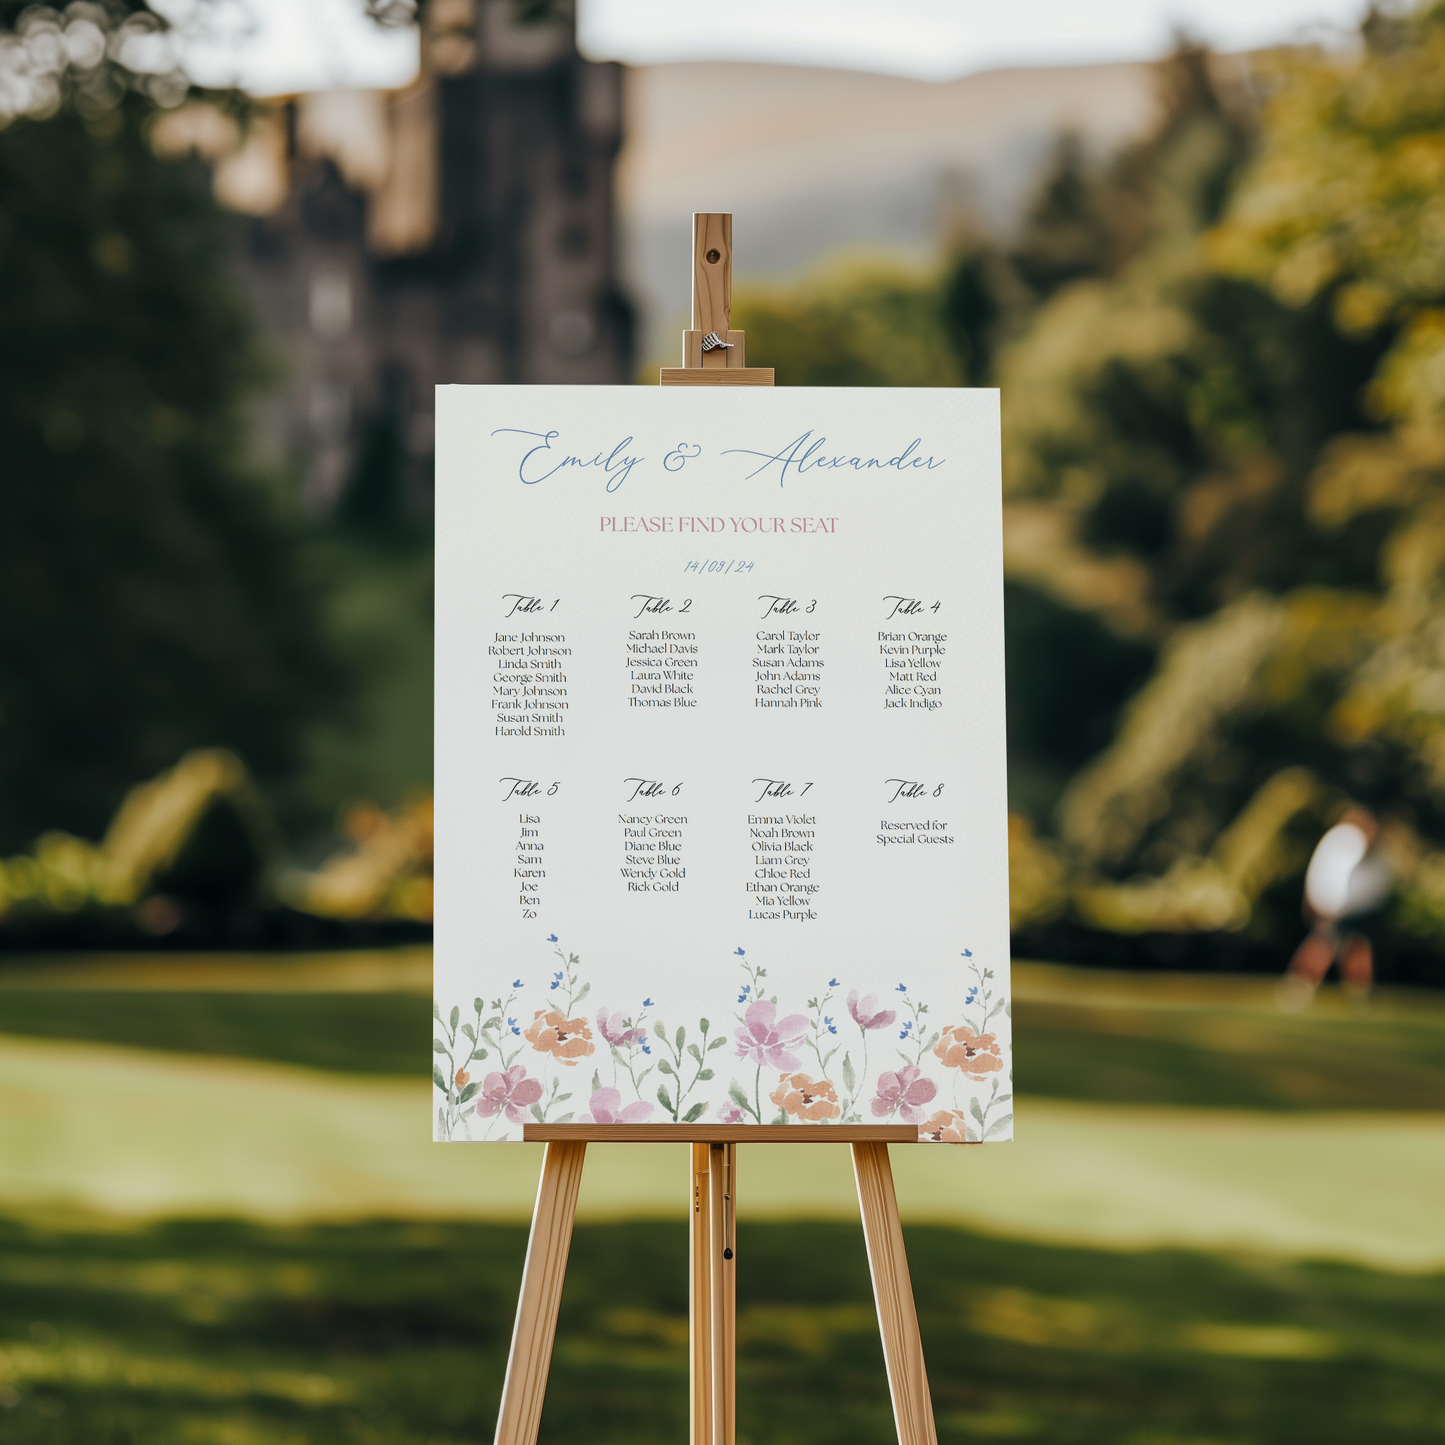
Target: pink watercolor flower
<point>730,1114</point>
<point>605,1107</point>
<point>509,1093</point>
<point>766,1039</point>
<point>904,1091</point>
<point>866,1013</point>
<point>613,1027</point>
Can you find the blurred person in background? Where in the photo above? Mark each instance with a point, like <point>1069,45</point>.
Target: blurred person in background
<point>1347,879</point>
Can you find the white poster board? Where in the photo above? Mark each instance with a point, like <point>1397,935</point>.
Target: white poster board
<point>721,815</point>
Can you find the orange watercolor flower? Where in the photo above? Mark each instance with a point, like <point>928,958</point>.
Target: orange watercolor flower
<point>944,1127</point>
<point>463,1078</point>
<point>975,1054</point>
<point>807,1101</point>
<point>552,1032</point>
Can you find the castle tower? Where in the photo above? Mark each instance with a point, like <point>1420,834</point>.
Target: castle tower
<point>460,230</point>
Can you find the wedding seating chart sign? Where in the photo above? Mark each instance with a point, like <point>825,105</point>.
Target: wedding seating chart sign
<point>721,816</point>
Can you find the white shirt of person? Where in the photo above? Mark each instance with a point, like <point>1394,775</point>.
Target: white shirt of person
<point>1344,880</point>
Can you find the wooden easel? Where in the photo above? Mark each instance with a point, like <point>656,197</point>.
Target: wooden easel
<point>712,1268</point>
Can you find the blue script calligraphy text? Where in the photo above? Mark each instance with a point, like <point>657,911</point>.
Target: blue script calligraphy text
<point>543,461</point>
<point>806,455</point>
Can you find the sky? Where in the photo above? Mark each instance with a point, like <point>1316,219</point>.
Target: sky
<point>281,46</point>
<point>941,39</point>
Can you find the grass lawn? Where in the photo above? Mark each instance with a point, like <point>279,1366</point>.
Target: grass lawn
<point>1152,1110</point>
<point>382,1333</point>
<point>143,1134</point>
<point>1108,1038</point>
<point>353,1033</point>
<point>1222,1042</point>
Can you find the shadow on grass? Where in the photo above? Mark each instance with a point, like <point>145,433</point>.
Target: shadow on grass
<point>1100,1050</point>
<point>396,1334</point>
<point>357,1033</point>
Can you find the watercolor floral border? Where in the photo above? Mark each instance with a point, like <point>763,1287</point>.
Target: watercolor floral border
<point>953,1081</point>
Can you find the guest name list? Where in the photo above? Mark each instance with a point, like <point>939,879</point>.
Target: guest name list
<point>719,719</point>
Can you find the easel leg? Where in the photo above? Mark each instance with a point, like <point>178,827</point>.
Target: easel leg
<point>520,1413</point>
<point>713,1276</point>
<point>726,1278</point>
<point>893,1295</point>
<point>722,1159</point>
<point>700,1297</point>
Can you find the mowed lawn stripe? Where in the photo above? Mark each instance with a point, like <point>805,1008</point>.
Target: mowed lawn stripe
<point>146,1134</point>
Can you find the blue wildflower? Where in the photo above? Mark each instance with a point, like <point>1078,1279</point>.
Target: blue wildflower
<point>512,1024</point>
<point>828,1024</point>
<point>907,1029</point>
<point>647,1003</point>
<point>832,983</point>
<point>747,989</point>
<point>740,952</point>
<point>646,1047</point>
<point>551,938</point>
<point>516,983</point>
<point>968,953</point>
<point>902,988</point>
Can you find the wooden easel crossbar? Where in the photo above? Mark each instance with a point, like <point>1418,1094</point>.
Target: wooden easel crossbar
<point>714,1153</point>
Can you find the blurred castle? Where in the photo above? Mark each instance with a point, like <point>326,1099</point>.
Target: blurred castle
<point>460,230</point>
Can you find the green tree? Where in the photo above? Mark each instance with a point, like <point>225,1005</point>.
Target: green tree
<point>1244,424</point>
<point>1166,420</point>
<point>1066,232</point>
<point>150,597</point>
<point>1171,413</point>
<point>1088,219</point>
<point>859,324</point>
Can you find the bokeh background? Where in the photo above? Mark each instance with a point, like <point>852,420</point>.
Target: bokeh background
<point>1202,252</point>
